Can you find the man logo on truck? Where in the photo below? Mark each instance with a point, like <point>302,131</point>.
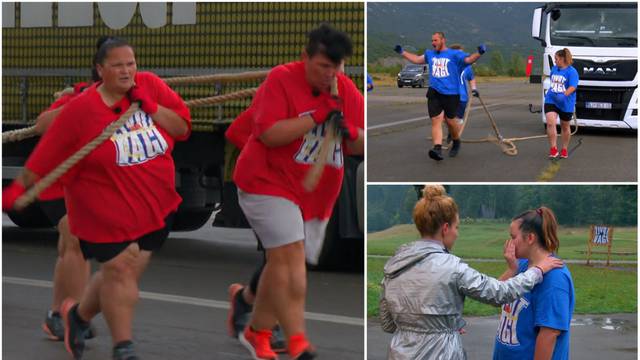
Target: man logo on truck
<point>599,71</point>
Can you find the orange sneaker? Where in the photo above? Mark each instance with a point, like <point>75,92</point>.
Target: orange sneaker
<point>258,343</point>
<point>553,153</point>
<point>300,348</point>
<point>564,154</point>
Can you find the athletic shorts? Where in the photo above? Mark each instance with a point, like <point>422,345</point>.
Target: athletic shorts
<point>462,106</point>
<point>54,210</point>
<point>104,252</point>
<point>564,116</point>
<point>438,103</point>
<point>278,222</point>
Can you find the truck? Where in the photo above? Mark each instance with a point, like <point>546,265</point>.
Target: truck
<point>49,45</point>
<point>603,40</point>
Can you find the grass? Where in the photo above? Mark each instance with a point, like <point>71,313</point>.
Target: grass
<point>381,79</point>
<point>485,239</point>
<point>599,290</point>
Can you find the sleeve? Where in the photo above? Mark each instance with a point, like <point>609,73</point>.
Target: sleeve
<point>573,78</point>
<point>59,142</point>
<point>470,74</point>
<point>492,291</point>
<point>168,98</point>
<point>460,56</point>
<point>272,104</point>
<point>386,319</point>
<point>63,100</point>
<point>553,308</point>
<point>240,129</point>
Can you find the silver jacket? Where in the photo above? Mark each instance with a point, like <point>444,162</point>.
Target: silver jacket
<point>423,293</point>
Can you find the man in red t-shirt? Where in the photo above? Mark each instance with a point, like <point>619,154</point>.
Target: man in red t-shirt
<point>121,197</point>
<point>289,124</point>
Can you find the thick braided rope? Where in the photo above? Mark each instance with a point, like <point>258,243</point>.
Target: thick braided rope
<point>221,98</point>
<point>19,134</point>
<point>222,78</point>
<point>50,178</point>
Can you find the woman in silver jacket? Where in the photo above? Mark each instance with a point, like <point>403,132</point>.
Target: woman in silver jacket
<point>424,286</point>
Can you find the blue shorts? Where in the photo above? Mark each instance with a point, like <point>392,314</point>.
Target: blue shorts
<point>462,106</point>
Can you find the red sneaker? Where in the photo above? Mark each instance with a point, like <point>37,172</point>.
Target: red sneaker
<point>553,153</point>
<point>258,343</point>
<point>300,348</point>
<point>564,153</point>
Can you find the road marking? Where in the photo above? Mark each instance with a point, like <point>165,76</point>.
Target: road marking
<point>421,118</point>
<point>336,319</point>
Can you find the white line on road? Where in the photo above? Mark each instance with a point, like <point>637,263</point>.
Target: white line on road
<point>421,118</point>
<point>336,319</point>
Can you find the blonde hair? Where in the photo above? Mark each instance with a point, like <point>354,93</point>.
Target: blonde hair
<point>433,210</point>
<point>566,55</point>
<point>541,222</point>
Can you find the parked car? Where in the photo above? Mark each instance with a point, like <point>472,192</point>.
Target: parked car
<point>413,75</point>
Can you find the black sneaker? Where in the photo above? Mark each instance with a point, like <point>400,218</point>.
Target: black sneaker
<point>75,328</point>
<point>436,153</point>
<point>449,139</point>
<point>278,343</point>
<point>124,350</point>
<point>53,326</point>
<point>453,152</point>
<point>239,311</point>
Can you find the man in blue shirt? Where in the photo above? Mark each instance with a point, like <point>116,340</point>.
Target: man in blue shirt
<point>445,66</point>
<point>369,83</point>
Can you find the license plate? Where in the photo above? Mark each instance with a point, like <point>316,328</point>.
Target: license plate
<point>597,105</point>
<point>407,81</point>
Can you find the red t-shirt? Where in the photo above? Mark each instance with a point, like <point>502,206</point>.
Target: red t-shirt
<point>240,129</point>
<point>55,191</point>
<point>279,171</point>
<point>126,186</point>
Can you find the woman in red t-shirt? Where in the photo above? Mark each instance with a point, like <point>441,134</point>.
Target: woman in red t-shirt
<point>121,197</point>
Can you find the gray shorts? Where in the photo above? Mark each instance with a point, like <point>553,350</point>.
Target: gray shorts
<point>278,222</point>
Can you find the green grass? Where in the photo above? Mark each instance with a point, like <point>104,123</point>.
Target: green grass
<point>599,290</point>
<point>485,239</point>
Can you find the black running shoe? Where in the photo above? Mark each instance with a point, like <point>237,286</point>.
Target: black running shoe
<point>449,139</point>
<point>453,152</point>
<point>124,350</point>
<point>53,326</point>
<point>278,343</point>
<point>75,328</point>
<point>239,311</point>
<point>436,153</point>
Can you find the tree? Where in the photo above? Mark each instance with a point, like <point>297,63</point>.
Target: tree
<point>496,63</point>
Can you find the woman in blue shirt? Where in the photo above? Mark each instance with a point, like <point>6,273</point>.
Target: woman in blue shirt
<point>560,101</point>
<point>537,324</point>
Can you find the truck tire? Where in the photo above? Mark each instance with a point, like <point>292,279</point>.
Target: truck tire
<point>32,217</point>
<point>190,219</point>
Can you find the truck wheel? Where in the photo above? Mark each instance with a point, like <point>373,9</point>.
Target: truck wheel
<point>190,219</point>
<point>32,217</point>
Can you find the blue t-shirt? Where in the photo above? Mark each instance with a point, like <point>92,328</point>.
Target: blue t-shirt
<point>467,75</point>
<point>445,68</point>
<point>369,82</point>
<point>561,80</point>
<point>549,304</point>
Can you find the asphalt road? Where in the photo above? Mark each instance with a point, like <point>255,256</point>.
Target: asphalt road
<point>183,306</point>
<point>397,145</point>
<point>593,337</point>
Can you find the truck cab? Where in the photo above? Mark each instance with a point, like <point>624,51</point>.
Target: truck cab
<point>603,40</point>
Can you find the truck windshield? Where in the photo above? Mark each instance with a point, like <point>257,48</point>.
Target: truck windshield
<point>595,27</point>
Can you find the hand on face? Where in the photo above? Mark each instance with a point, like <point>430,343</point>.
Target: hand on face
<point>509,253</point>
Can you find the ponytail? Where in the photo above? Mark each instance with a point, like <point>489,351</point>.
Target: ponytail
<point>433,210</point>
<point>541,222</point>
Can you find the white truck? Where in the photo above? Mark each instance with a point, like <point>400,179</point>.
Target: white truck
<point>603,40</point>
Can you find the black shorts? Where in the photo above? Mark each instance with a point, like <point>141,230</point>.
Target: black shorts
<point>104,252</point>
<point>462,106</point>
<point>439,102</point>
<point>54,210</point>
<point>564,116</point>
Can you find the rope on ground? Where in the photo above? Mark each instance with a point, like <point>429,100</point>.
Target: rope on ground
<point>33,192</point>
<point>19,134</point>
<point>217,78</point>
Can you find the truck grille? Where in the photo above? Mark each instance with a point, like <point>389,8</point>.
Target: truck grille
<point>616,70</point>
<point>618,97</point>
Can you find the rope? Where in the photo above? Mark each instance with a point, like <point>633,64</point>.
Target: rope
<point>33,192</point>
<point>221,78</point>
<point>19,134</point>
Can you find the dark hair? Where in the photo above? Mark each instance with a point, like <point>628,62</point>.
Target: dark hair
<point>439,33</point>
<point>566,55</point>
<point>328,41</point>
<point>103,45</point>
<point>541,222</point>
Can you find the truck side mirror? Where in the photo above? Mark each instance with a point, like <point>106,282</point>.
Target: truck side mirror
<point>536,25</point>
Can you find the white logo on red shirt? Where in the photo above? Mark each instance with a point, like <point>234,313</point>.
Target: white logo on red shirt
<point>310,148</point>
<point>138,140</point>
<point>439,67</point>
<point>508,325</point>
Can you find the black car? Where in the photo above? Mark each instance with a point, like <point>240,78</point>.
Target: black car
<point>413,75</point>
